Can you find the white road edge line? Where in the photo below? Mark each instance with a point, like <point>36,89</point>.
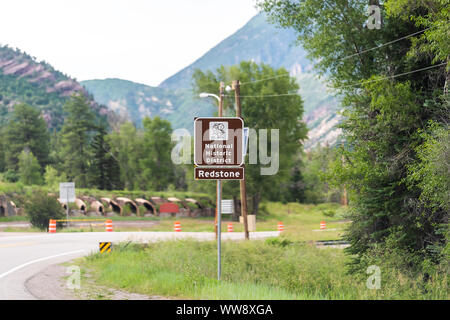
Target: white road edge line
<point>38,260</point>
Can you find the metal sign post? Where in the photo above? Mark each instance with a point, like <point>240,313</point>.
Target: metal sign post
<point>218,155</point>
<point>219,229</point>
<point>67,194</point>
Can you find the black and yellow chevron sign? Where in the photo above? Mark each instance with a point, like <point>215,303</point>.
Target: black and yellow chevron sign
<point>105,247</point>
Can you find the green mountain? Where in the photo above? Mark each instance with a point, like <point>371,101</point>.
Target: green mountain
<point>135,101</point>
<point>24,80</point>
<point>259,41</point>
<point>321,110</point>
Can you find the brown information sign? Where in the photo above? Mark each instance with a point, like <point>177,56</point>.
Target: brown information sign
<point>218,141</point>
<point>208,173</point>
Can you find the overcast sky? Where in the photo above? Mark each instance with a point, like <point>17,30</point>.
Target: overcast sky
<point>144,41</point>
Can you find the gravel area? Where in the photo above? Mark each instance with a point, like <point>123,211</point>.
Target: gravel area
<point>50,284</point>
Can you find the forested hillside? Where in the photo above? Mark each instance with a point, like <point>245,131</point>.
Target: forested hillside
<point>135,101</point>
<point>24,80</point>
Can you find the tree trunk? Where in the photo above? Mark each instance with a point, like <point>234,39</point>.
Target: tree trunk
<point>237,209</point>
<point>256,199</point>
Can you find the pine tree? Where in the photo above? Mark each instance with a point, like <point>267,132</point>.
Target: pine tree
<point>77,133</point>
<point>26,130</point>
<point>126,147</point>
<point>156,164</point>
<point>104,171</point>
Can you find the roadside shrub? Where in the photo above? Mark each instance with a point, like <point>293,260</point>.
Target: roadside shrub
<point>277,242</point>
<point>11,176</point>
<point>263,211</point>
<point>143,210</point>
<point>329,213</point>
<point>191,205</point>
<point>41,208</point>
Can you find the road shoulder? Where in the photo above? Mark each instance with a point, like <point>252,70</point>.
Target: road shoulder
<point>51,284</point>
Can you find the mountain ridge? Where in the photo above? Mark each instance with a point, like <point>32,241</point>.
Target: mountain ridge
<point>249,40</point>
<point>25,80</point>
<point>258,41</point>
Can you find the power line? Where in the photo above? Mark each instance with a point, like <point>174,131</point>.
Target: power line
<point>394,76</point>
<point>350,85</point>
<point>266,96</point>
<point>265,79</point>
<point>384,44</point>
<point>346,57</point>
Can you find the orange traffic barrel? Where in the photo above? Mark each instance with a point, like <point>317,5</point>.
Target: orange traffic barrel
<point>177,226</point>
<point>52,226</point>
<point>323,225</point>
<point>230,227</point>
<point>280,226</point>
<point>109,226</point>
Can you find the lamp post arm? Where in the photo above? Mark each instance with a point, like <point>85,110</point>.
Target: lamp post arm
<point>206,95</point>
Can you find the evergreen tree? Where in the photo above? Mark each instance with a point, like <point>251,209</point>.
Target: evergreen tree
<point>296,185</point>
<point>29,168</point>
<point>26,130</point>
<point>156,164</point>
<point>104,171</point>
<point>77,133</point>
<point>2,152</point>
<point>127,150</point>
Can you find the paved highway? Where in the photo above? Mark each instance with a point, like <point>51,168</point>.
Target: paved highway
<point>23,255</point>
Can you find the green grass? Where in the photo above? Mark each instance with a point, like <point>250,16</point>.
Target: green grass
<point>250,270</point>
<point>279,268</point>
<point>14,218</point>
<point>18,229</point>
<point>300,221</point>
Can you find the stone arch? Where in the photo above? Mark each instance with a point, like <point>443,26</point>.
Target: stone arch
<point>157,200</point>
<point>97,206</point>
<point>112,204</point>
<point>63,204</point>
<point>8,208</point>
<point>81,205</point>
<point>198,204</point>
<point>128,202</point>
<point>147,204</point>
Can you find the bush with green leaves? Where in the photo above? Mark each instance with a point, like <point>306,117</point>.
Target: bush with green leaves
<point>329,213</point>
<point>41,208</point>
<point>11,176</point>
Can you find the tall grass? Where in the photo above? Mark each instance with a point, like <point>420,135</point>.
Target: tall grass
<point>250,270</point>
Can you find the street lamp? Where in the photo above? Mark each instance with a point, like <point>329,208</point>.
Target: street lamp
<point>207,95</point>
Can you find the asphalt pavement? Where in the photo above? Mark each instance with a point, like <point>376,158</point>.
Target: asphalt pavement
<point>23,255</point>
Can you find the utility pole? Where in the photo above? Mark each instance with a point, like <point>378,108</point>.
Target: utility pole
<point>237,95</point>
<point>219,184</point>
